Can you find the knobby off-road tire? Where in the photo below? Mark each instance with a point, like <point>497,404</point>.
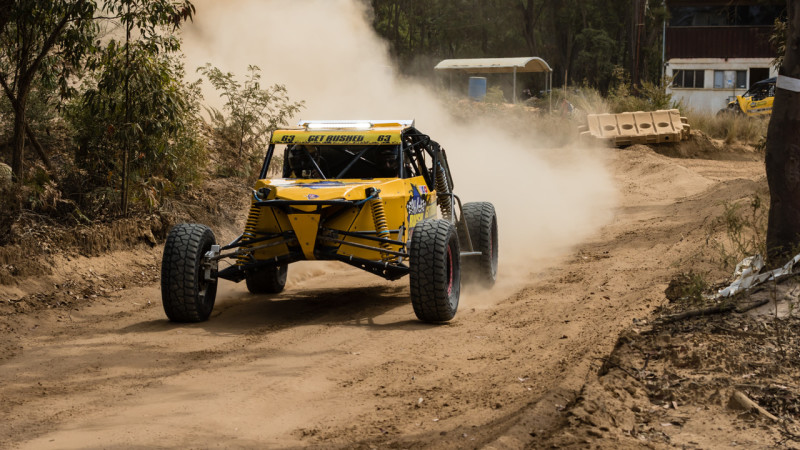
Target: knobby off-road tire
<point>481,221</point>
<point>185,293</point>
<point>435,270</point>
<point>269,280</point>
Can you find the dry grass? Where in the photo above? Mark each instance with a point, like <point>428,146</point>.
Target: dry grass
<point>532,114</point>
<point>589,101</point>
<point>729,127</point>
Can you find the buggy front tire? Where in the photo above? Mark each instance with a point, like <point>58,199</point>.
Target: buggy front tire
<point>481,220</point>
<point>269,280</point>
<point>435,270</point>
<point>186,294</point>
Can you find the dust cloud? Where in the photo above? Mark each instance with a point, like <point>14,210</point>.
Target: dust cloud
<point>326,53</point>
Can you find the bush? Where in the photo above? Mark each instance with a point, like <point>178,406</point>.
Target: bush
<point>159,130</point>
<point>650,96</point>
<point>744,224</point>
<point>252,113</point>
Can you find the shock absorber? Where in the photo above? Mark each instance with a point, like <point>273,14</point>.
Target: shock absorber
<point>443,193</point>
<point>250,229</point>
<point>381,226</point>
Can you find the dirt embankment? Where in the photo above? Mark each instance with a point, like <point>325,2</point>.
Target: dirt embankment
<point>338,359</point>
<point>696,373</point>
<point>49,265</point>
<point>700,146</point>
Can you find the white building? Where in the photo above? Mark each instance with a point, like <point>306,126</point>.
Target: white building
<point>708,84</point>
<point>717,49</point>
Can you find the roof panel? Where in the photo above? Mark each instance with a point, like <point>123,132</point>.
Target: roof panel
<point>495,65</point>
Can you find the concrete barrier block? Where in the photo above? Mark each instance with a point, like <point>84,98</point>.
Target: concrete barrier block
<point>657,127</point>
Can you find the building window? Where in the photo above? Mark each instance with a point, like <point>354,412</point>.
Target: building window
<point>741,79</point>
<point>688,78</point>
<point>727,79</point>
<point>719,79</point>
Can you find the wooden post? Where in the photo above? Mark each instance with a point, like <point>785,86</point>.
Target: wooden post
<point>514,95</point>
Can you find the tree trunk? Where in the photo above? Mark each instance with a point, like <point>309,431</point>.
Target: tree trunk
<point>126,146</point>
<point>40,151</point>
<point>18,142</point>
<point>28,131</point>
<point>783,154</point>
<point>27,69</point>
<point>530,16</point>
<point>396,28</point>
<point>5,13</point>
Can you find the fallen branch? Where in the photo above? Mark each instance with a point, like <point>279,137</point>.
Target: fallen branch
<point>742,402</point>
<point>752,305</point>
<point>718,309</point>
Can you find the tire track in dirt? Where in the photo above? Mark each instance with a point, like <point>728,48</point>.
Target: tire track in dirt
<point>134,355</point>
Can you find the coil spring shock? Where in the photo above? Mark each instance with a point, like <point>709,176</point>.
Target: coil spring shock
<point>250,229</point>
<point>443,193</point>
<point>381,226</point>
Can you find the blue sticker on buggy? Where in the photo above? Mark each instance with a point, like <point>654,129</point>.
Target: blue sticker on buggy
<point>416,207</point>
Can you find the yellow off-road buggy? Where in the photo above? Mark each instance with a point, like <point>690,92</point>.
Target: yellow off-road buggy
<point>756,102</point>
<point>366,193</point>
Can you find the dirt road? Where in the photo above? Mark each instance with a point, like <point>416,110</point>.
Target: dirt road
<point>339,359</point>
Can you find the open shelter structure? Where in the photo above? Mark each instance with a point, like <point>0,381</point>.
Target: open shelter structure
<point>501,65</point>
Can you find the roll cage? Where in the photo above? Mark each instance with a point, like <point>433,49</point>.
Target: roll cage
<point>416,155</point>
<point>761,89</point>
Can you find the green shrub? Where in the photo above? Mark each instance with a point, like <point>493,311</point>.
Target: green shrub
<point>744,226</point>
<point>159,129</point>
<point>250,114</point>
<point>650,96</point>
<point>687,287</point>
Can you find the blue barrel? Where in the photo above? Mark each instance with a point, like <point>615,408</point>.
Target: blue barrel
<point>477,88</point>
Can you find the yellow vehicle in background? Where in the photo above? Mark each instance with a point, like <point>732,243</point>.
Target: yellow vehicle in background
<point>366,193</point>
<point>756,102</point>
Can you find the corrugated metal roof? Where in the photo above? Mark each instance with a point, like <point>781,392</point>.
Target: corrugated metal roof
<point>495,65</point>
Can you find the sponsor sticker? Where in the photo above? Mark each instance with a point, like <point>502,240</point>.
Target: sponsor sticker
<point>416,207</point>
<point>371,137</point>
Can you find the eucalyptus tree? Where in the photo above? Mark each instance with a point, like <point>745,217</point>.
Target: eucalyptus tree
<point>138,100</point>
<point>40,38</point>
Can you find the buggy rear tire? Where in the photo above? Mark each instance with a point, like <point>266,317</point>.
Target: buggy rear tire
<point>435,270</point>
<point>481,220</point>
<point>269,280</point>
<point>185,293</point>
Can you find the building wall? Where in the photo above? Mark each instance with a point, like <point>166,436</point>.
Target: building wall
<point>721,42</point>
<point>708,98</point>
